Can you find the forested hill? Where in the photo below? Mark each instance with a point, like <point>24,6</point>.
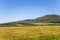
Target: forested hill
<point>43,19</point>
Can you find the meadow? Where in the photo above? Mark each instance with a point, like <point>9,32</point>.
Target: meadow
<point>30,33</point>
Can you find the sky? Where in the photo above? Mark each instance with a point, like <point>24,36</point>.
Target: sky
<point>14,10</point>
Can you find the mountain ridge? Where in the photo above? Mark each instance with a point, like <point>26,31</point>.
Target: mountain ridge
<point>46,19</point>
<point>43,19</point>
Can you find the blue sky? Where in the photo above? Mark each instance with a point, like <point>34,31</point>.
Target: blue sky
<point>13,10</point>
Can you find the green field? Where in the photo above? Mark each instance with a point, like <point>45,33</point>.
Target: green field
<point>30,33</point>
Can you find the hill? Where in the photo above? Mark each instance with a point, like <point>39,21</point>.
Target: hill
<point>49,19</point>
<point>43,19</point>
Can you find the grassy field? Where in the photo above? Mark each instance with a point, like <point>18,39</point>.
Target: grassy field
<point>30,33</point>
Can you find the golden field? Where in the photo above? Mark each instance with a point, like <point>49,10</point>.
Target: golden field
<point>30,33</point>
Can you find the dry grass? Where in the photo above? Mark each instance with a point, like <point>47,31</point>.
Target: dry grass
<point>29,33</point>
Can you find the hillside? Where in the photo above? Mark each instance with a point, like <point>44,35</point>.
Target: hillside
<point>49,19</point>
<point>43,19</point>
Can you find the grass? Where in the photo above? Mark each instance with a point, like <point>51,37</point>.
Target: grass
<point>30,33</point>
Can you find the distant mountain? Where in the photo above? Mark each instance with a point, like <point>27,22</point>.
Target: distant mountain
<point>49,19</point>
<point>43,19</point>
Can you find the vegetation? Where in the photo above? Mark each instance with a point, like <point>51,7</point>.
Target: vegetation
<point>50,19</point>
<point>44,19</point>
<point>30,33</point>
<point>42,28</point>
